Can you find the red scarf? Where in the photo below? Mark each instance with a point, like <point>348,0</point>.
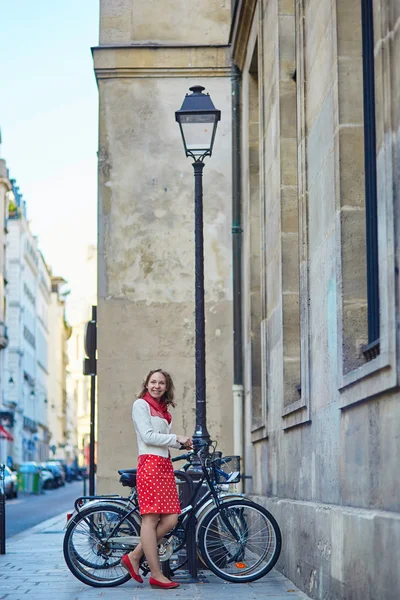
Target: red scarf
<point>157,409</point>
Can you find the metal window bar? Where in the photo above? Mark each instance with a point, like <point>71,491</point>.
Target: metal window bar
<point>372,348</point>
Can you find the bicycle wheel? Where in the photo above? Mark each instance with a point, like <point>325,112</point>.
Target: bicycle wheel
<point>95,542</point>
<point>240,541</point>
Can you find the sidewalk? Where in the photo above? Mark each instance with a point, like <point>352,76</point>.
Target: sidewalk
<point>34,569</point>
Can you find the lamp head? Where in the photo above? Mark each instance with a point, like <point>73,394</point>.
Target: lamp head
<point>198,119</point>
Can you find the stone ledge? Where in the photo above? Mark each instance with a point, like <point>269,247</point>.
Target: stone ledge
<point>333,548</point>
<point>161,61</point>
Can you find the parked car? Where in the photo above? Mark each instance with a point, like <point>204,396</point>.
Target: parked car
<point>56,469</point>
<point>10,483</point>
<point>49,481</point>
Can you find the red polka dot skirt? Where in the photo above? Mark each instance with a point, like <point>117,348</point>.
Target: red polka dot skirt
<point>156,487</point>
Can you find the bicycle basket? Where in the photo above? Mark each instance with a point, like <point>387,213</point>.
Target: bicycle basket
<point>226,469</point>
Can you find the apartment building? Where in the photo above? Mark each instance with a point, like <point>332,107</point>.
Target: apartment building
<point>26,368</point>
<point>61,427</point>
<point>6,415</point>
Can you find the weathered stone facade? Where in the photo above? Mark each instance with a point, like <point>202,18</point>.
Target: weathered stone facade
<point>321,420</point>
<point>320,412</point>
<point>150,53</point>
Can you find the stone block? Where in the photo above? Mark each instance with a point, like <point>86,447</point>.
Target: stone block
<point>128,21</point>
<point>273,282</point>
<point>348,15</point>
<point>322,204</point>
<point>290,263</point>
<point>271,134</point>
<point>355,333</point>
<point>316,24</point>
<point>350,91</point>
<point>286,7</point>
<point>288,109</point>
<point>368,437</point>
<point>254,134</point>
<point>320,138</point>
<point>352,183</point>
<point>291,325</point>
<point>289,209</point>
<point>354,255</point>
<point>319,75</point>
<point>272,233</point>
<point>291,379</point>
<point>255,271</point>
<point>287,47</point>
<point>288,155</point>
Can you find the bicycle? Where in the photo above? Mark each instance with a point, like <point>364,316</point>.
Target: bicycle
<point>237,539</point>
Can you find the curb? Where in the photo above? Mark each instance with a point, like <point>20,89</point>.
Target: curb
<point>48,524</point>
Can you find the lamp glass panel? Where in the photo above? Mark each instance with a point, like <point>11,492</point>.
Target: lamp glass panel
<point>198,132</point>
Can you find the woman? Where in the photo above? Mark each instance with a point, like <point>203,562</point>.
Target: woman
<point>155,481</point>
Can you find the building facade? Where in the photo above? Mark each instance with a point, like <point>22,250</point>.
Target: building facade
<point>309,92</point>
<point>62,440</point>
<point>26,368</point>
<point>79,311</point>
<point>144,67</point>
<point>318,153</point>
<point>6,416</point>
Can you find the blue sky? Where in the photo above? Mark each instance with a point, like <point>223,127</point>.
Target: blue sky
<point>49,120</point>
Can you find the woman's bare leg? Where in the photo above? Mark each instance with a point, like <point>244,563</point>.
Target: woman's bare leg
<point>165,524</point>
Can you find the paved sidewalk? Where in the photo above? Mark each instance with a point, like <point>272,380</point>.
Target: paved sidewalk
<point>34,569</point>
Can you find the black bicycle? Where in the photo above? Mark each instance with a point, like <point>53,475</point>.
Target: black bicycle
<point>237,539</point>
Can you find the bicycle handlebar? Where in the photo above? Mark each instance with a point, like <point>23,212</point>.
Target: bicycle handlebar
<point>197,447</point>
<point>182,456</point>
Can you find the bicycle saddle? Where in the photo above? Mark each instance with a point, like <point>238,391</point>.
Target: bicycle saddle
<point>128,478</point>
<point>121,471</point>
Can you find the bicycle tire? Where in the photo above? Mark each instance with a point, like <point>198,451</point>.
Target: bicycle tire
<point>248,558</point>
<point>87,510</point>
<point>85,567</point>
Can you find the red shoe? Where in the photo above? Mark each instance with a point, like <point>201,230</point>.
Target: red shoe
<point>159,584</point>
<point>126,563</point>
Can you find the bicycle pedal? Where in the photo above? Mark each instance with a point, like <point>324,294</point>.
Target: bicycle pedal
<point>144,567</point>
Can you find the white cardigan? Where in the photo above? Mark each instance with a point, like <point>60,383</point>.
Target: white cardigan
<point>153,433</point>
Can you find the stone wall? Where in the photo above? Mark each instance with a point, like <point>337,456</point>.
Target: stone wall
<point>144,68</point>
<point>320,418</point>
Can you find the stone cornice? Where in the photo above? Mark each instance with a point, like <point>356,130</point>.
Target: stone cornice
<point>240,30</point>
<point>6,182</point>
<point>113,62</point>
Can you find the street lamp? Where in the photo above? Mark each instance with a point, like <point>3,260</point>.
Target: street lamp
<point>198,120</point>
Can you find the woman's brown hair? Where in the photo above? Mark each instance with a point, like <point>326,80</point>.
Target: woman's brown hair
<point>168,396</point>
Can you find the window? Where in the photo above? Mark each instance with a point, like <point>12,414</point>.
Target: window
<point>365,158</point>
<point>371,350</point>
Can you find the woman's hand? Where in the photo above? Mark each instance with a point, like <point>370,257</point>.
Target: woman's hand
<point>184,441</point>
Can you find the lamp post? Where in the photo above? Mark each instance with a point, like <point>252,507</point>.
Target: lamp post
<point>198,120</point>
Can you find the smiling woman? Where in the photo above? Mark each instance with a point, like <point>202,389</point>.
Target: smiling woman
<point>155,480</point>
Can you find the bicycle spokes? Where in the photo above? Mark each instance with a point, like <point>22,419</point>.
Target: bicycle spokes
<point>239,541</point>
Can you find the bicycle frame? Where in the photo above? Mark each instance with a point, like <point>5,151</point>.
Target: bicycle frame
<point>188,512</point>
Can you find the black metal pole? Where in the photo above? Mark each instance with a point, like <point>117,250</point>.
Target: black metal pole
<point>236,231</point>
<point>2,512</point>
<point>201,432</point>
<point>92,422</point>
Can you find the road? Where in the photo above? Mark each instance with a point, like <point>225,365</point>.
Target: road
<point>29,510</point>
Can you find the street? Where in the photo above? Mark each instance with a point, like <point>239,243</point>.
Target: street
<point>29,510</point>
